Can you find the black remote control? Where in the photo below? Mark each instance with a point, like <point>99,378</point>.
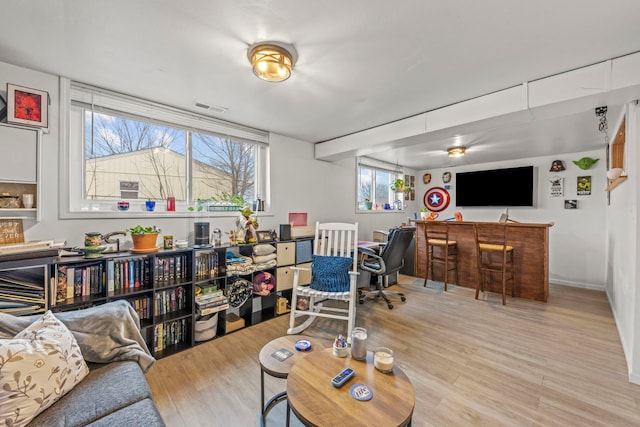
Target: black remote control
<point>342,377</point>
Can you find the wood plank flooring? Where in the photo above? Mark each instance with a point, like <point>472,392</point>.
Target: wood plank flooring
<point>472,362</point>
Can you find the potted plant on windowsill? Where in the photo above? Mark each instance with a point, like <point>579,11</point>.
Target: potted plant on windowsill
<point>367,205</point>
<point>144,238</point>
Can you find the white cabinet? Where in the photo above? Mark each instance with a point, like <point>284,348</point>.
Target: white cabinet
<point>20,169</point>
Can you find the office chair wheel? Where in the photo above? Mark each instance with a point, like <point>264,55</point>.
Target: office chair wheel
<point>390,306</point>
<point>403,299</point>
<point>361,301</point>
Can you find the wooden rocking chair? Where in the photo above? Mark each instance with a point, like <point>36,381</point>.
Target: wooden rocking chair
<point>331,240</point>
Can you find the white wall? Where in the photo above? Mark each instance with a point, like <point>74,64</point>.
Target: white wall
<point>622,250</point>
<point>577,252</point>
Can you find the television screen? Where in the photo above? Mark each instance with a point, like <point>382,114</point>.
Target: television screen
<point>497,187</point>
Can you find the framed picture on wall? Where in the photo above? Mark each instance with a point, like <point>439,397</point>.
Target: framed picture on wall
<point>27,106</point>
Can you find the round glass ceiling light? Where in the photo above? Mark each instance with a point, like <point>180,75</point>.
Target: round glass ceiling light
<point>456,151</point>
<point>272,61</point>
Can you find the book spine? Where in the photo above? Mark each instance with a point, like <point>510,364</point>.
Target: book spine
<point>71,273</point>
<point>110,276</point>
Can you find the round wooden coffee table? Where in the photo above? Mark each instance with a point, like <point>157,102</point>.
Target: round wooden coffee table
<point>272,366</point>
<point>316,402</point>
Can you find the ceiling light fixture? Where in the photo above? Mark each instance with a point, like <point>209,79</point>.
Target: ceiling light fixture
<point>272,61</point>
<point>456,151</point>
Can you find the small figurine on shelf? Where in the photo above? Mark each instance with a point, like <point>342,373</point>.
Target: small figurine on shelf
<point>247,226</point>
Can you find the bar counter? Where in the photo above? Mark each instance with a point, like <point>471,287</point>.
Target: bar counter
<point>531,257</point>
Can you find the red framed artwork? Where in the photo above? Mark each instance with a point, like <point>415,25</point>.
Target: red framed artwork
<point>27,106</point>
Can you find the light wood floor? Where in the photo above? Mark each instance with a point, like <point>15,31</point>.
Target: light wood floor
<point>471,362</point>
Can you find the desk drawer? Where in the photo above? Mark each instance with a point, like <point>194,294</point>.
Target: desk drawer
<point>286,253</point>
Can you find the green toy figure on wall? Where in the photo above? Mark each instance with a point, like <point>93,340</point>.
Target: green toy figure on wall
<point>585,163</point>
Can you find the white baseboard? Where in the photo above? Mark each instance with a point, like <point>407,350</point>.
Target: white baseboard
<point>634,377</point>
<point>578,284</point>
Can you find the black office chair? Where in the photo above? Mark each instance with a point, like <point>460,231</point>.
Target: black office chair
<point>389,260</point>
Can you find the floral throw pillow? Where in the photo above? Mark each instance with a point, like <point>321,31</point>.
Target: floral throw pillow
<point>37,367</point>
<point>330,273</point>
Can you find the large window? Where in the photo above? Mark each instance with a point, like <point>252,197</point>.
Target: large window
<point>374,188</point>
<point>137,150</point>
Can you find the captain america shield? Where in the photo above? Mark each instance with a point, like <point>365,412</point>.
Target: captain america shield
<point>436,199</point>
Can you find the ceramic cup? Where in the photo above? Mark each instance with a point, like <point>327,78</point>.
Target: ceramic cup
<point>150,205</point>
<point>27,200</point>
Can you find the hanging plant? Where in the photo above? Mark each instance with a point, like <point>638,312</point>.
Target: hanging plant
<point>399,186</point>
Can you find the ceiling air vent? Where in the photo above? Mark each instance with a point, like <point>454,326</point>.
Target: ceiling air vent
<point>212,108</point>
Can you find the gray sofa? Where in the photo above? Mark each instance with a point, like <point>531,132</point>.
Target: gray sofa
<point>113,394</point>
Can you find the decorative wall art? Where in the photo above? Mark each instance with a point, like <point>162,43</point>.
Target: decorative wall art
<point>571,204</point>
<point>436,199</point>
<point>584,186</point>
<point>426,178</point>
<point>27,106</point>
<point>557,166</point>
<point>446,177</point>
<point>585,163</point>
<point>3,108</point>
<point>410,183</point>
<point>557,187</point>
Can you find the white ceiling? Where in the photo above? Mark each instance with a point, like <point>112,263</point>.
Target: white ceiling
<point>361,63</point>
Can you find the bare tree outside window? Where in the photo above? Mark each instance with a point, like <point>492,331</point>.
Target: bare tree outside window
<point>119,149</point>
<point>226,166</point>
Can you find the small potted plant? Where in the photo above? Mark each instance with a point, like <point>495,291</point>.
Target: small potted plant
<point>424,213</point>
<point>367,204</point>
<point>144,238</point>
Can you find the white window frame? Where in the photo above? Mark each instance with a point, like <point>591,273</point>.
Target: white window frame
<point>71,160</point>
<point>376,165</point>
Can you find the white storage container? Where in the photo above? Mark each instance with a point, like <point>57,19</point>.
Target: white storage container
<point>206,327</point>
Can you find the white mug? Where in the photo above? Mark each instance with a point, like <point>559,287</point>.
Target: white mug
<point>27,200</point>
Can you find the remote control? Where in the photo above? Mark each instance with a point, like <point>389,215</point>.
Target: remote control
<point>342,377</point>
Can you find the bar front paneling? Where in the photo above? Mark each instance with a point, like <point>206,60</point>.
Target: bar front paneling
<point>531,243</point>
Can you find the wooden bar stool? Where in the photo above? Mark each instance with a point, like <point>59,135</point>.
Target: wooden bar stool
<point>494,256</point>
<point>440,249</point>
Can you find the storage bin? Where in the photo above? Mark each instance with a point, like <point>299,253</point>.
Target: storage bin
<point>206,327</point>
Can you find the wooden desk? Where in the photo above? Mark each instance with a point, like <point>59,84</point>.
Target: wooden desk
<point>318,403</point>
<point>531,243</point>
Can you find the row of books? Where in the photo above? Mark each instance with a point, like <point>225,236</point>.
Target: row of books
<point>170,333</point>
<point>142,306</point>
<point>170,300</point>
<point>79,281</point>
<point>211,302</point>
<point>206,265</point>
<point>127,273</point>
<point>171,269</point>
<point>22,291</point>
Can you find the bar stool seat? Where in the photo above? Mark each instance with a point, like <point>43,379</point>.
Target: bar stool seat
<point>495,257</point>
<point>440,249</point>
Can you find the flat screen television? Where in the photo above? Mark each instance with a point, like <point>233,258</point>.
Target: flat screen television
<point>496,187</point>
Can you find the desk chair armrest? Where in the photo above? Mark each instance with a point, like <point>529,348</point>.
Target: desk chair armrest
<point>378,258</point>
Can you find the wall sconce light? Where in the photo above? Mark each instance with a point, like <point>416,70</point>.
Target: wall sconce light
<point>272,61</point>
<point>456,151</point>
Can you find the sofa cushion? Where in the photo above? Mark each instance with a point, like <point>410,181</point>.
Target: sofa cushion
<point>143,413</point>
<point>37,367</point>
<point>106,389</point>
